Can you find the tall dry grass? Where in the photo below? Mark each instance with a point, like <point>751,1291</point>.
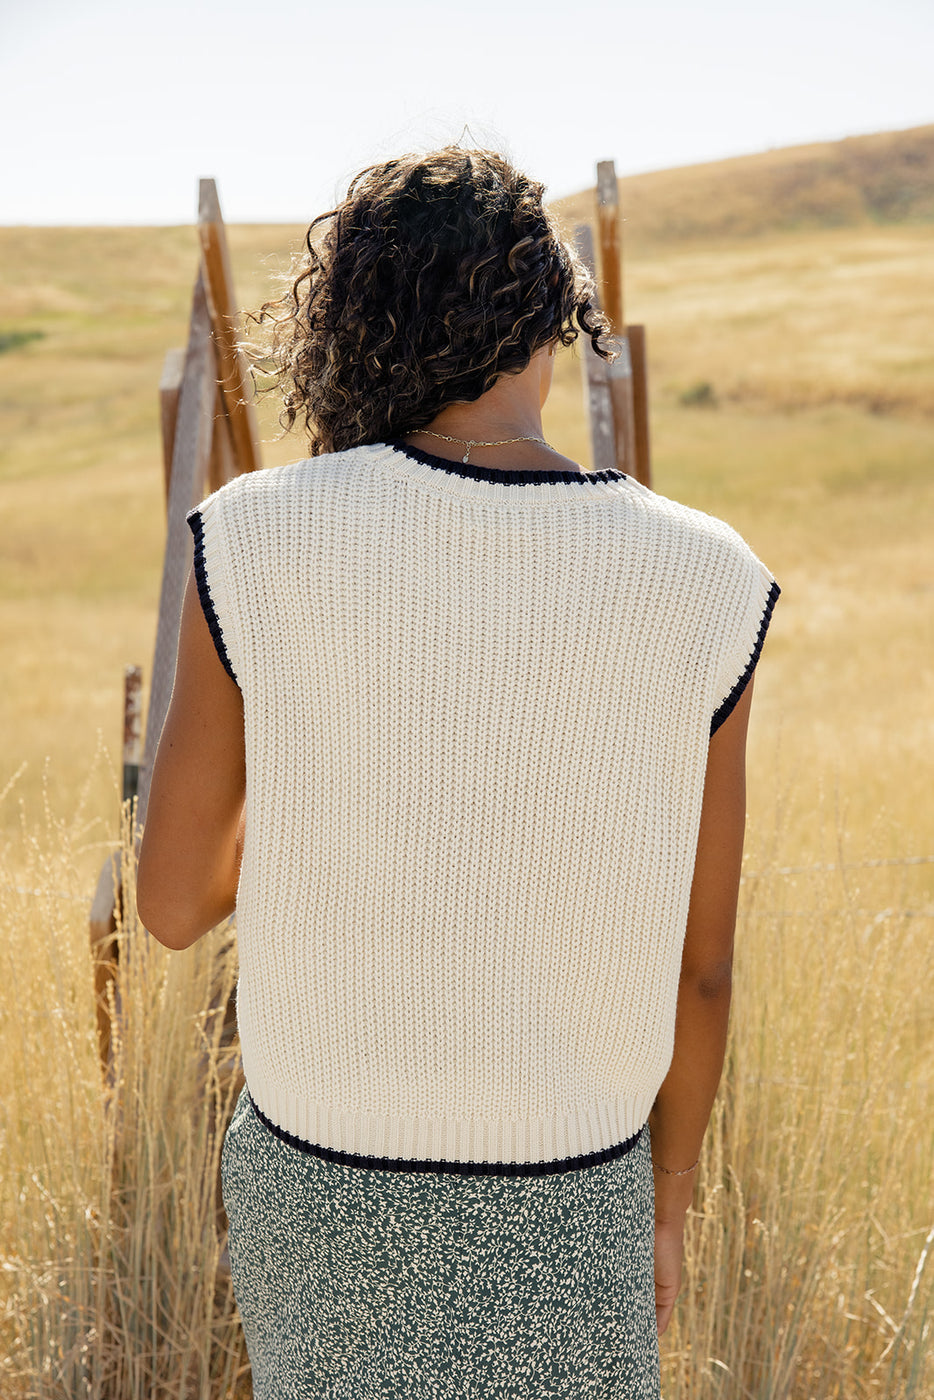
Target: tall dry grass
<point>807,1254</point>
<point>114,1285</point>
<point>807,1274</point>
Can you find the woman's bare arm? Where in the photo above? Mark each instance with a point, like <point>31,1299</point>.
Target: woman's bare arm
<point>682,1109</point>
<point>190,853</point>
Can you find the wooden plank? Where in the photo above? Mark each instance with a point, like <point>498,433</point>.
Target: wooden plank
<point>611,250</point>
<point>169,386</point>
<point>597,401</point>
<point>619,376</point>
<point>108,895</point>
<point>193,434</point>
<point>232,372</point>
<point>640,399</point>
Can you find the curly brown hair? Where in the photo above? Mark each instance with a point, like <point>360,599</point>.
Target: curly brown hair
<point>437,274</point>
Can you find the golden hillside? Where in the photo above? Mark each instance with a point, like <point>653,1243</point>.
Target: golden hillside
<point>885,178</point>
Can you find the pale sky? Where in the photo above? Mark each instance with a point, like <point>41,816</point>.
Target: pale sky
<point>111,109</point>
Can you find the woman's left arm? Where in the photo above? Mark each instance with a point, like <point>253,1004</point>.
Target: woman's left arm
<point>189,860</point>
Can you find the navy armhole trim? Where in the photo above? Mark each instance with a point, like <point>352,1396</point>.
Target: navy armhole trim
<point>395,1164</point>
<point>731,701</point>
<point>204,593</point>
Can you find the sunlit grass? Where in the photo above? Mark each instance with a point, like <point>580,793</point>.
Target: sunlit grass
<point>113,1278</point>
<point>796,320</point>
<point>806,1251</point>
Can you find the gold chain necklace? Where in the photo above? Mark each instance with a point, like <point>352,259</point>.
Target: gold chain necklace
<point>471,442</point>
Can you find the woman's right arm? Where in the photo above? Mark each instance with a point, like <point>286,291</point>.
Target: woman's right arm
<point>682,1108</point>
<point>189,860</point>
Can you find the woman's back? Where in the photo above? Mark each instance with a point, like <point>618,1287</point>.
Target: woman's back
<point>477,713</point>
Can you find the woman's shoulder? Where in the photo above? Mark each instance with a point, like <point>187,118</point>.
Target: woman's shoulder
<point>270,484</point>
<point>694,531</point>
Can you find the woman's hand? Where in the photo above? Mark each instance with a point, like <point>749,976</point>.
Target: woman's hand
<point>673,1196</point>
<point>669,1256</point>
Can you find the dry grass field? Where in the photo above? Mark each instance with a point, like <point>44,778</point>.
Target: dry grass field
<point>792,377</point>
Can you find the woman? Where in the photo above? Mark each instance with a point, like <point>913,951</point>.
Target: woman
<point>458,728</point>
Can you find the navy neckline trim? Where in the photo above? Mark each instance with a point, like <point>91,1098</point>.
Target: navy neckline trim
<point>504,478</point>
<point>395,1164</point>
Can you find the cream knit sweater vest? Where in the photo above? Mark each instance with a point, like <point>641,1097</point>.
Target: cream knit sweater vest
<point>477,710</point>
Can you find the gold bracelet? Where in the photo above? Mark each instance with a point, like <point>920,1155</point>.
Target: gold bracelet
<point>668,1172</point>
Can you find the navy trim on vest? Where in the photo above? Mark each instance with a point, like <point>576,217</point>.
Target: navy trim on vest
<point>503,478</point>
<point>731,701</point>
<point>204,593</point>
<point>395,1164</point>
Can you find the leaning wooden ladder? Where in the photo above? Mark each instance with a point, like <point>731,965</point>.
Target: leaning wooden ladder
<point>209,435</point>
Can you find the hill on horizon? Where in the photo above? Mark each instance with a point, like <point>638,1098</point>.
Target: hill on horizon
<point>885,178</point>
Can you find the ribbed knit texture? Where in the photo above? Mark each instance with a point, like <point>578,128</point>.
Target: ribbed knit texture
<point>477,716</point>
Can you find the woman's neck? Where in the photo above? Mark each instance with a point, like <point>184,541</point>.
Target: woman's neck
<point>502,429</point>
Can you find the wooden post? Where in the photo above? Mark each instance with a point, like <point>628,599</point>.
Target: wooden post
<point>169,388</point>
<point>619,376</point>
<point>105,907</point>
<point>190,458</point>
<point>611,250</point>
<point>235,383</point>
<point>640,403</point>
<point>597,401</point>
<point>619,373</point>
<point>223,464</point>
<point>132,730</point>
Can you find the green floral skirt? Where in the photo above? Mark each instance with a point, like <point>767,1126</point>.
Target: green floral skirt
<point>359,1284</point>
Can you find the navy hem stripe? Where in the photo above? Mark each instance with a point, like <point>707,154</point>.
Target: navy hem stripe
<point>503,478</point>
<point>395,1164</point>
<point>204,593</point>
<point>731,701</point>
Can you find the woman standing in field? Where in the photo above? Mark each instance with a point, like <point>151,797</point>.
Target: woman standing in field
<point>484,713</point>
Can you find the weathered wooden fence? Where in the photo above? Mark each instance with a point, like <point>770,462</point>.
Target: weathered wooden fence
<point>209,435</point>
